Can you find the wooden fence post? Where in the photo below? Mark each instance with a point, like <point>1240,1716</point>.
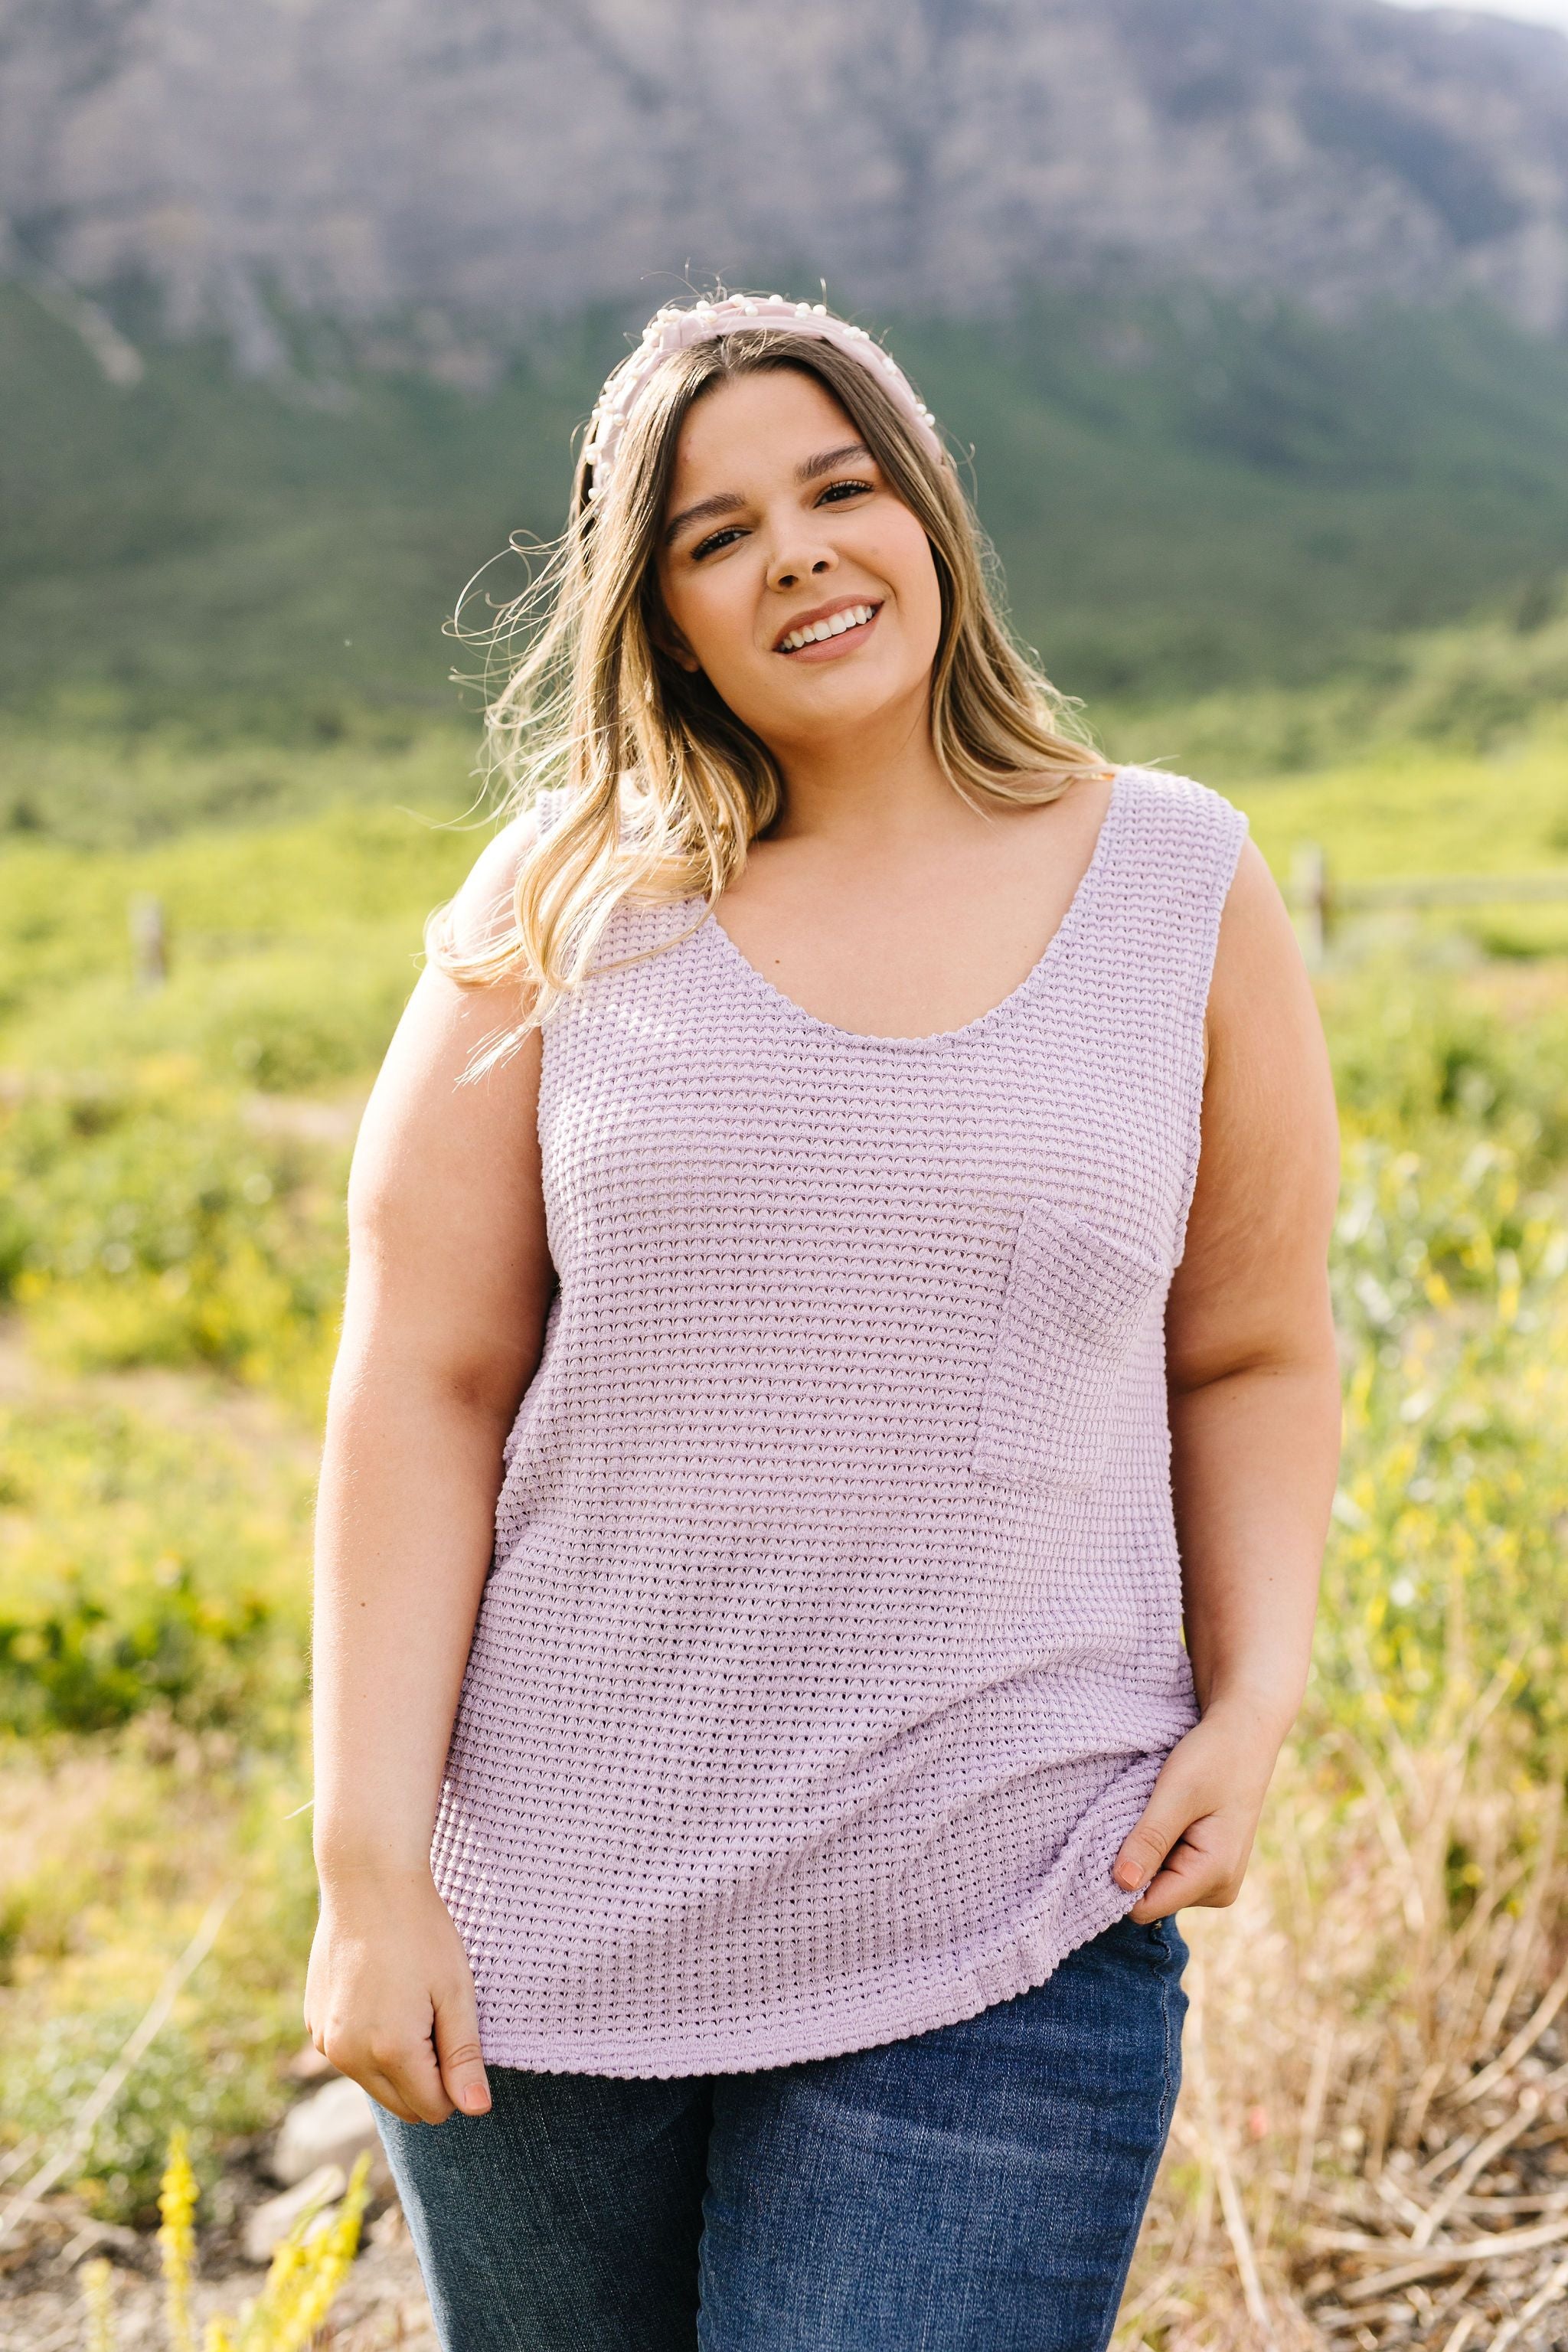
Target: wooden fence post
<point>1310,896</point>
<point>149,941</point>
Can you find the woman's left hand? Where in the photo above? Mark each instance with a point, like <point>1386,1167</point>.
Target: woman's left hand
<point>1192,1841</point>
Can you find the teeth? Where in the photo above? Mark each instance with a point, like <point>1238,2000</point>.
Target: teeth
<point>816,632</point>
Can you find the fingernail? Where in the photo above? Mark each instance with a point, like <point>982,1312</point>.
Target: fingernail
<point>475,2098</point>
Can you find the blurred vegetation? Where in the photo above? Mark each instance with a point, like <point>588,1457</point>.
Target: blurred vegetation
<point>1192,492</point>
<point>1495,684</point>
<point>85,774</point>
<point>148,1224</point>
<point>113,1605</point>
<point>171,1167</point>
<point>1189,493</point>
<point>1448,1555</point>
<point>114,1846</point>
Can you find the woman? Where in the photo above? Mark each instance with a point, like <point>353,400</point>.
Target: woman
<point>798,1384</point>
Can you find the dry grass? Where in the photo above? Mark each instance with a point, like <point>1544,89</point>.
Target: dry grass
<point>1371,2143</point>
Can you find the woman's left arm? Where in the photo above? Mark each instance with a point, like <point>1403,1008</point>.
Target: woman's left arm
<point>1254,1383</point>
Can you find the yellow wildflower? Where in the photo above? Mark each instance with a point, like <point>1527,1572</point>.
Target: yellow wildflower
<point>98,2288</point>
<point>331,2254</point>
<point>177,2243</point>
<point>307,2272</point>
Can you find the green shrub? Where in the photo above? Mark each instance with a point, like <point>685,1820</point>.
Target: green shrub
<point>123,1846</point>
<point>146,1221</point>
<point>1425,1057</point>
<point>149,1568</point>
<point>1446,1563</point>
<point>283,1020</point>
<point>182,2079</point>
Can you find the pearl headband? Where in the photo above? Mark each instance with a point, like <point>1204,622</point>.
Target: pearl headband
<point>673,330</point>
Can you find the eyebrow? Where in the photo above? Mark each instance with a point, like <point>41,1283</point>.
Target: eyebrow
<point>724,502</point>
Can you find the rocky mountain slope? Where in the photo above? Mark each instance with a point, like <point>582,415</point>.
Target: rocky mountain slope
<point>460,166</point>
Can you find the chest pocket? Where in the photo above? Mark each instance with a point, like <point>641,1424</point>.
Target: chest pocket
<point>1073,1302</point>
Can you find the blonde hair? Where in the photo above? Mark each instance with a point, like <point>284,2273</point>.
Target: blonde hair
<point>665,787</point>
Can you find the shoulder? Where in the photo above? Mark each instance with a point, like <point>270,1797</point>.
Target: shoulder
<point>480,915</point>
<point>1255,933</point>
<point>1260,989</point>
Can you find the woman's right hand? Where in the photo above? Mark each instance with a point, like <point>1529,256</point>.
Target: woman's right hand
<point>389,1996</point>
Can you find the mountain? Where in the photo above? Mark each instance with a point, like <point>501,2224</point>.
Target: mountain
<point>446,171</point>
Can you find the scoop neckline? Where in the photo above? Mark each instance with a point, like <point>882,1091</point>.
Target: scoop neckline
<point>1071,921</point>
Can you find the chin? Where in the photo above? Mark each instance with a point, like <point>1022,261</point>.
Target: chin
<point>862,678</point>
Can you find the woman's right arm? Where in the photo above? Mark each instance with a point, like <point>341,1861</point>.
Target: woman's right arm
<point>449,1284</point>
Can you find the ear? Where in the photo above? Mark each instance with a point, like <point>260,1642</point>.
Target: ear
<point>668,640</point>
<point>664,635</point>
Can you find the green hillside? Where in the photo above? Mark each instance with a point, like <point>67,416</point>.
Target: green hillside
<point>1189,495</point>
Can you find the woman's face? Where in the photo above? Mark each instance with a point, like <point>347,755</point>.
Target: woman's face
<point>779,523</point>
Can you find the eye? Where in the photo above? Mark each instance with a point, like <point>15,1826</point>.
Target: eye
<point>715,539</point>
<point>837,491</point>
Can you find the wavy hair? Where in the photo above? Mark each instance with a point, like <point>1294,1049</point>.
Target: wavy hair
<point>665,788</point>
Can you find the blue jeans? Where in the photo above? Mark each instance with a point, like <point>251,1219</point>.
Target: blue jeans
<point>977,2188</point>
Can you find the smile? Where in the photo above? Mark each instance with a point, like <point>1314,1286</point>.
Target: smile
<point>847,620</point>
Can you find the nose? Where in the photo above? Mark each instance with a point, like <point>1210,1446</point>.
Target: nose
<point>799,561</point>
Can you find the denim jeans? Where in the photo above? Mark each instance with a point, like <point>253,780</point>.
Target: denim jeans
<point>976,2189</point>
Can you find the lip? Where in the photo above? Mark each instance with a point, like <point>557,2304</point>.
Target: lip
<point>828,646</point>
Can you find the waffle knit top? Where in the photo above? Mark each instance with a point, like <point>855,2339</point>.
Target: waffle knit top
<point>832,1642</point>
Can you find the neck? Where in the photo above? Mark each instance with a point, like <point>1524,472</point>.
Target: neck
<point>873,786</point>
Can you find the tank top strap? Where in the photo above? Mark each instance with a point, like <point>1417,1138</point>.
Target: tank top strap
<point>1143,962</point>
<point>1168,872</point>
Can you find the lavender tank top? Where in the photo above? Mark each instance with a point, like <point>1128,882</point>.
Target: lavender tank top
<point>833,1638</point>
